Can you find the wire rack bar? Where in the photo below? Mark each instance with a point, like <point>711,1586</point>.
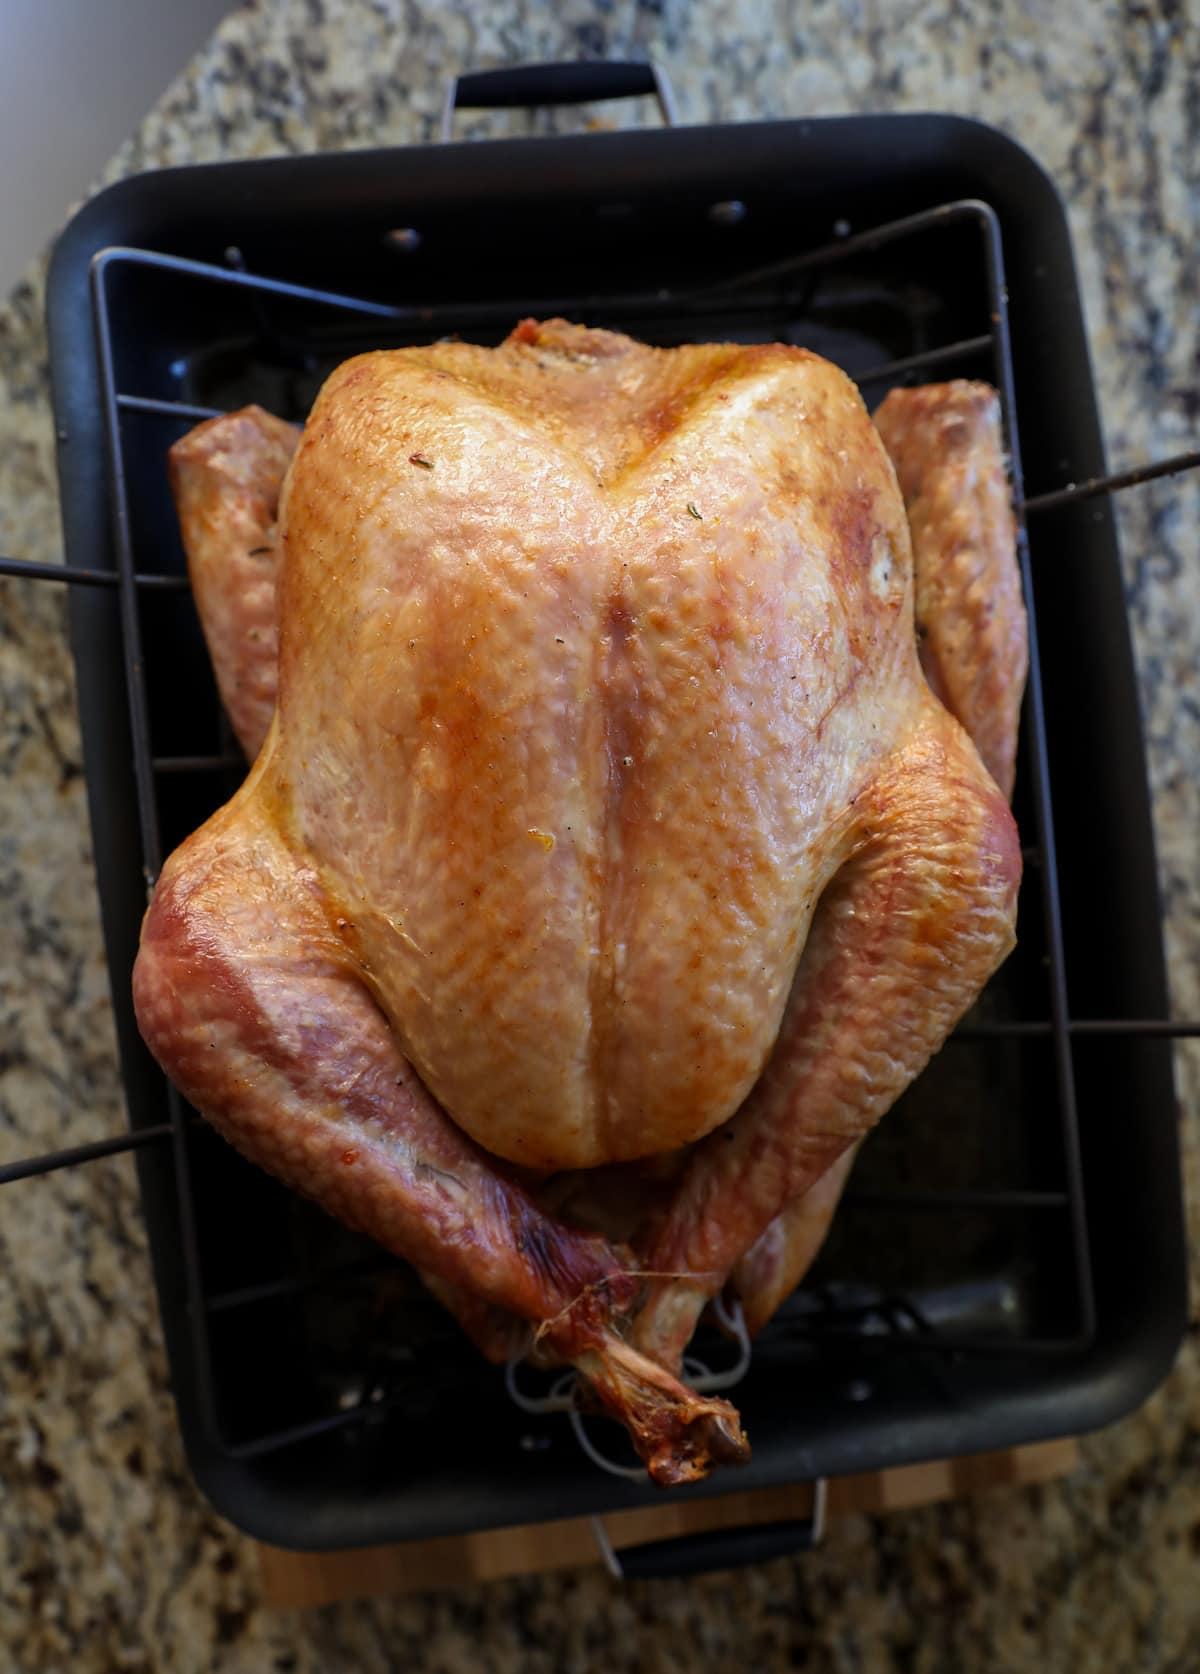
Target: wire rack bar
<point>273,1441</point>
<point>839,249</point>
<point>938,1341</point>
<point>125,255</point>
<point>131,629</point>
<point>1149,1028</point>
<point>1038,757</point>
<point>964,349</point>
<point>25,569</point>
<point>957,1197</point>
<point>275,1290</point>
<point>167,409</point>
<point>27,1168</point>
<point>197,764</point>
<point>1095,486</point>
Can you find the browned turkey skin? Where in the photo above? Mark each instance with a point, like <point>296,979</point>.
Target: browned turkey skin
<point>605,813</point>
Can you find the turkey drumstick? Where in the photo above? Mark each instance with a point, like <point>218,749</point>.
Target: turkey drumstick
<point>259,1014</point>
<point>945,443</point>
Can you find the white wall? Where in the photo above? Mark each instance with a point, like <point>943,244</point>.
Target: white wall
<point>76,77</point>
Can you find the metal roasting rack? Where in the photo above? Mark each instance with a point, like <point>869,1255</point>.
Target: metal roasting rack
<point>769,300</point>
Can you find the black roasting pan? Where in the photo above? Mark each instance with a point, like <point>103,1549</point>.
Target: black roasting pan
<point>1009,1262</point>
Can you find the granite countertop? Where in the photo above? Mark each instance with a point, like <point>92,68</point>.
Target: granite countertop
<point>108,1556</point>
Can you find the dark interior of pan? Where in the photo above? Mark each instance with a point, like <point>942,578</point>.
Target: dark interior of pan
<point>1008,1261</point>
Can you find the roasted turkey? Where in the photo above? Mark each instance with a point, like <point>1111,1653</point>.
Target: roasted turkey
<point>616,849</point>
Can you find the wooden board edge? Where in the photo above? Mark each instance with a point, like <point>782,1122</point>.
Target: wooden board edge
<point>300,1580</point>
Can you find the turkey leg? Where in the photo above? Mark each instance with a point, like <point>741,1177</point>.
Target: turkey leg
<point>904,938</point>
<point>945,443</point>
<point>247,994</point>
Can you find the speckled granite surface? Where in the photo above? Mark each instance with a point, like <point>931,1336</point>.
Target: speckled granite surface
<point>108,1558</point>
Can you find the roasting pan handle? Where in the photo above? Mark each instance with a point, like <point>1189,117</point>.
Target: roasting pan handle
<point>700,1554</point>
<point>578,83</point>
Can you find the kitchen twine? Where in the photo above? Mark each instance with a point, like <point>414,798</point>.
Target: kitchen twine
<point>608,1279</point>
<point>698,1376</point>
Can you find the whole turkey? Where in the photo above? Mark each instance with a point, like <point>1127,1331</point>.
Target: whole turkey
<point>616,849</point>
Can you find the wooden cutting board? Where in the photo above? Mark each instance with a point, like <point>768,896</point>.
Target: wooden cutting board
<point>296,1580</point>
